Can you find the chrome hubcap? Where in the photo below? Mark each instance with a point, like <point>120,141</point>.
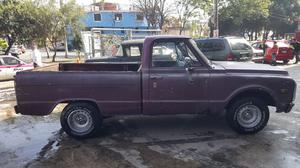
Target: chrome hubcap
<point>249,116</point>
<point>80,121</point>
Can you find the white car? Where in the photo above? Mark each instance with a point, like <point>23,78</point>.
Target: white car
<point>10,65</point>
<point>258,54</point>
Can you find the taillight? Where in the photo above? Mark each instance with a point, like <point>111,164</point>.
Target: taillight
<point>230,57</point>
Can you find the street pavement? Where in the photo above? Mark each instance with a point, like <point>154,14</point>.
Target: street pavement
<point>160,142</point>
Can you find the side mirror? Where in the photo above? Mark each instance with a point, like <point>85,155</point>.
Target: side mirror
<point>188,61</point>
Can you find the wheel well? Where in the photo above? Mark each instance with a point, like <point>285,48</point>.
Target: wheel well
<point>67,102</point>
<point>265,96</point>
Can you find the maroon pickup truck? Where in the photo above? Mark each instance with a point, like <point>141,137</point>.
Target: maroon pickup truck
<point>172,77</point>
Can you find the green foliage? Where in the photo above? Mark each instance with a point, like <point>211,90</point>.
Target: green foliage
<point>249,16</point>
<point>77,42</point>
<point>242,16</point>
<point>18,19</point>
<point>3,44</point>
<point>283,16</point>
<point>35,20</point>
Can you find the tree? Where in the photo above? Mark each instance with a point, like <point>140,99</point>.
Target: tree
<point>155,11</point>
<point>243,16</point>
<point>283,16</point>
<point>72,14</point>
<point>186,9</point>
<point>18,22</point>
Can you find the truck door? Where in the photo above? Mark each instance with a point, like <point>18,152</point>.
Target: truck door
<point>177,81</point>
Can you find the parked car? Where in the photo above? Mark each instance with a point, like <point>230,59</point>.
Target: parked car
<point>286,53</point>
<point>182,81</point>
<point>10,65</point>
<point>258,54</point>
<point>59,47</point>
<point>226,49</point>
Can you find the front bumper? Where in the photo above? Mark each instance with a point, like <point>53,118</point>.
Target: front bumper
<point>289,107</point>
<point>285,108</point>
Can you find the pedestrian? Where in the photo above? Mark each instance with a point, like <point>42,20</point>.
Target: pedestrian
<point>264,46</point>
<point>274,50</point>
<point>296,45</point>
<point>36,56</point>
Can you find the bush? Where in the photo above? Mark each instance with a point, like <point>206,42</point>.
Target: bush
<point>3,44</point>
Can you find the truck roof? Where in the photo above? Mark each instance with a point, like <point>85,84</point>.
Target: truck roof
<point>134,41</point>
<point>168,37</point>
<point>141,41</point>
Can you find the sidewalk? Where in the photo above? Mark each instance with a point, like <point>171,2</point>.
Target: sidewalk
<point>6,84</point>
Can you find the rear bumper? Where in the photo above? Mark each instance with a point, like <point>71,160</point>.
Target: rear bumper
<point>39,109</point>
<point>16,110</point>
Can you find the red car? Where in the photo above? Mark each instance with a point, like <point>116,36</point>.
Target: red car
<point>285,54</point>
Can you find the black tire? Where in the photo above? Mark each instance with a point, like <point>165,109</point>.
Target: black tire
<point>286,61</point>
<point>86,113</point>
<point>235,113</point>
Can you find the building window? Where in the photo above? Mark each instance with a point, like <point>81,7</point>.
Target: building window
<point>97,17</point>
<point>139,17</point>
<point>118,16</point>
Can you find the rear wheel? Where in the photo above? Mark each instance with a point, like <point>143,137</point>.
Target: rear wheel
<point>248,115</point>
<point>81,120</point>
<point>285,61</point>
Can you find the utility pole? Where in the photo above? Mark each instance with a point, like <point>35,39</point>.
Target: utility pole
<point>216,18</point>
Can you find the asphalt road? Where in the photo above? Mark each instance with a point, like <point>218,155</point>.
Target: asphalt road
<point>159,142</point>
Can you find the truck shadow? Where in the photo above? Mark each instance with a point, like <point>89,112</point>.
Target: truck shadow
<point>131,133</point>
<point>148,129</point>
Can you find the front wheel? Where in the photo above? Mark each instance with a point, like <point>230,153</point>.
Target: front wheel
<point>81,120</point>
<point>248,115</point>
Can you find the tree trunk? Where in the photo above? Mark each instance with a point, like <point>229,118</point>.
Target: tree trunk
<point>66,44</point>
<point>55,47</point>
<point>46,48</point>
<point>256,35</point>
<point>54,56</point>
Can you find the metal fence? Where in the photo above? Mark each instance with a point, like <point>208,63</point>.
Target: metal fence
<point>100,42</point>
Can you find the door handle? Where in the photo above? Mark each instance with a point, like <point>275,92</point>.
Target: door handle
<point>190,69</point>
<point>156,77</point>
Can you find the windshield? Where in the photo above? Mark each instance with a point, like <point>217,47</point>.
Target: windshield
<point>211,45</point>
<point>239,44</point>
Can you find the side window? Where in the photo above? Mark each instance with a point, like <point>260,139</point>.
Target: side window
<point>132,51</point>
<point>97,17</point>
<point>10,61</point>
<point>172,54</point>
<point>206,46</point>
<point>135,51</point>
<point>1,62</point>
<point>139,16</point>
<point>118,16</point>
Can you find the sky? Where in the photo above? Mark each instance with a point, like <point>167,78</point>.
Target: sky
<point>87,2</point>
